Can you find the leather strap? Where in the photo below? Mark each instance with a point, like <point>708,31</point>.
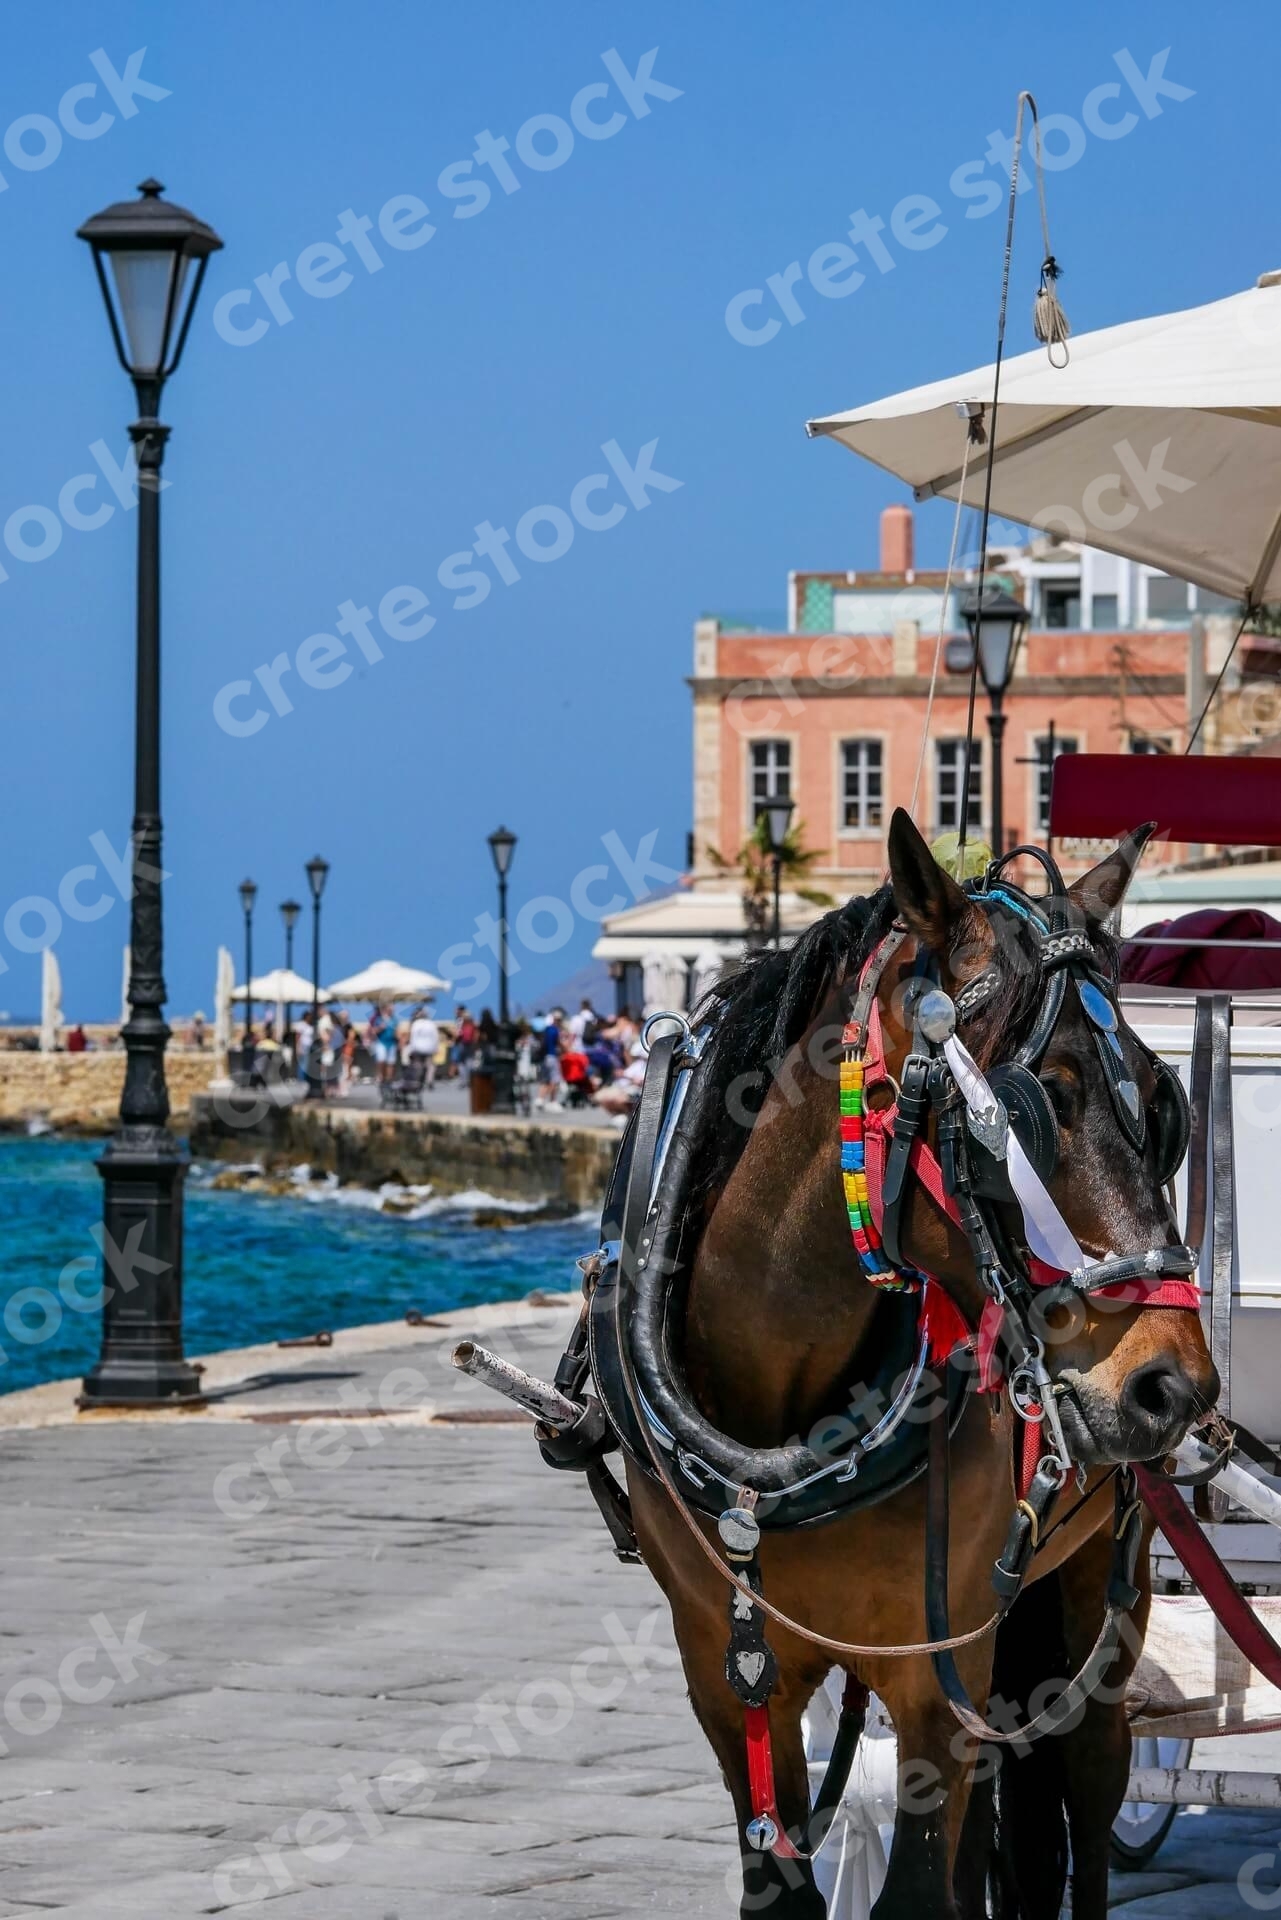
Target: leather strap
<point>1209,1575</point>
<point>649,1126</point>
<point>760,1773</point>
<point>1122,1595</point>
<point>1222,1156</point>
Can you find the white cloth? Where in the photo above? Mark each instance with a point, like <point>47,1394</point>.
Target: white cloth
<point>1048,1234</point>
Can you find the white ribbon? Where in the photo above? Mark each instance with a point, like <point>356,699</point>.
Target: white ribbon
<point>1048,1234</point>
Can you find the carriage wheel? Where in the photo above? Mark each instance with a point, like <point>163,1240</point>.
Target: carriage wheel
<point>1139,1829</point>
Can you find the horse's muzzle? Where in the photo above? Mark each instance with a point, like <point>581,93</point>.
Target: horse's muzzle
<point>1157,1404</point>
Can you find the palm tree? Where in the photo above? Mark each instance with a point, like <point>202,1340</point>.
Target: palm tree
<point>754,863</point>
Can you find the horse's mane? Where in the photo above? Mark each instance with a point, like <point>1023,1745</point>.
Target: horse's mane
<point>764,1007</point>
<point>761,1010</point>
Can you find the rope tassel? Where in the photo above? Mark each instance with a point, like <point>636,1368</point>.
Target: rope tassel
<point>1049,322</point>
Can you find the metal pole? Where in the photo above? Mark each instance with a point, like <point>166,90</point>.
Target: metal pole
<point>778,882</point>
<point>314,1075</point>
<point>287,1036</point>
<point>143,1167</point>
<point>996,727</point>
<point>502,952</point>
<point>502,1065</point>
<point>247,1046</point>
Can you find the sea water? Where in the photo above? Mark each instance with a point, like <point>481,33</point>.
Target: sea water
<point>257,1267</point>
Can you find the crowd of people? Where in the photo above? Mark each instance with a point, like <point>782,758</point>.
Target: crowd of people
<point>561,1059</point>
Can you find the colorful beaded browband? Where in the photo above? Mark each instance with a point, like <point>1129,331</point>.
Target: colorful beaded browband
<point>867,1241</point>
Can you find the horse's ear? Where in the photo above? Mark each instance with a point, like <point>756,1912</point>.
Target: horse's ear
<point>927,897</point>
<point>1100,892</point>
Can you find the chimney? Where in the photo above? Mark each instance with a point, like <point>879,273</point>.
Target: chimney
<point>897,540</point>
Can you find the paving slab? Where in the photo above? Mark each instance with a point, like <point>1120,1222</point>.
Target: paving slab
<point>351,1691</point>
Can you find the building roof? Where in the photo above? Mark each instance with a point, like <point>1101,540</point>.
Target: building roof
<point>687,923</point>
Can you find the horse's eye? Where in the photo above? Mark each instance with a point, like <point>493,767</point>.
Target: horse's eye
<point>1062,1092</point>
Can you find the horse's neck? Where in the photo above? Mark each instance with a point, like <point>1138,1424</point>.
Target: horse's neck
<point>777,1299</point>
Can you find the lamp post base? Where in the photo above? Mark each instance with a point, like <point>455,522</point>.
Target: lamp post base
<point>502,1067</point>
<point>142,1363</point>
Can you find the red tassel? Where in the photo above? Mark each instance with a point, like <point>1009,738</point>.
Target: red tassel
<point>944,1324</point>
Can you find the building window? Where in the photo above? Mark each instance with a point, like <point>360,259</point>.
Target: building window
<point>949,771</point>
<point>1151,743</point>
<point>1105,611</point>
<point>1041,748</point>
<point>862,792</point>
<point>1167,598</point>
<point>1061,605</point>
<point>771,773</point>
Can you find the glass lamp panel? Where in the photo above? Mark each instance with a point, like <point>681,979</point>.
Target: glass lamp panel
<point>996,650</point>
<point>142,288</point>
<point>778,816</point>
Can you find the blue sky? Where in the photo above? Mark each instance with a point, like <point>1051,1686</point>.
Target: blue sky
<point>478,375</point>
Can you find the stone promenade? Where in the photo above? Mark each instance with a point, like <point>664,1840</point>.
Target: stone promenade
<point>280,1657</point>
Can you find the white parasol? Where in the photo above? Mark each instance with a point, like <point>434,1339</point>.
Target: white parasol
<point>1160,440</point>
<point>280,985</point>
<point>50,1001</point>
<point>388,980</point>
<point>224,986</point>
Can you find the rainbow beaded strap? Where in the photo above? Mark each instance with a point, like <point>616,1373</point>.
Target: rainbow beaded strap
<point>867,1240</point>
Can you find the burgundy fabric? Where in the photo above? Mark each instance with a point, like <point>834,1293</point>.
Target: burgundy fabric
<point>1220,800</point>
<point>1208,1574</point>
<point>1207,961</point>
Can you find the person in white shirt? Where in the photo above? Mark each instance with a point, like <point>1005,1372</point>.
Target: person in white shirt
<point>581,1021</point>
<point>424,1039</point>
<point>304,1034</point>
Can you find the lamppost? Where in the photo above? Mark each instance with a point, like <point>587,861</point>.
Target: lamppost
<point>778,819</point>
<point>248,894</point>
<point>317,874</point>
<point>996,621</point>
<point>150,247</point>
<point>289,911</point>
<point>502,845</point>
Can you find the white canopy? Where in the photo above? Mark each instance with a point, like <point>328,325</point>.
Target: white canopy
<point>280,986</point>
<point>388,980</point>
<point>1160,440</point>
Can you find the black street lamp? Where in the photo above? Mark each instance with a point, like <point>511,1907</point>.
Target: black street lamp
<point>248,894</point>
<point>317,874</point>
<point>151,248</point>
<point>289,911</point>
<point>996,627</point>
<point>778,820</point>
<point>502,845</point>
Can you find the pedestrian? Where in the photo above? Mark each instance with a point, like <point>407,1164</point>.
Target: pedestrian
<point>549,1066</point>
<point>384,1025</point>
<point>424,1038</point>
<point>583,1024</point>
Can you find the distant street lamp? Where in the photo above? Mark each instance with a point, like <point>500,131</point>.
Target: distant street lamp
<point>317,874</point>
<point>502,845</point>
<point>289,911</point>
<point>778,820</point>
<point>996,627</point>
<point>150,247</point>
<point>248,894</point>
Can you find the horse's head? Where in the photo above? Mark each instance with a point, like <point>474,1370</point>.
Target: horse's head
<point>1102,1124</point>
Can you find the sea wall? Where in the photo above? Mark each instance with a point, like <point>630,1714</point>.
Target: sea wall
<point>514,1159</point>
<point>80,1092</point>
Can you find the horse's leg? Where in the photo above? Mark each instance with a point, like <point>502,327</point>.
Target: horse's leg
<point>776,1888</point>
<point>935,1764</point>
<point>1096,1752</point>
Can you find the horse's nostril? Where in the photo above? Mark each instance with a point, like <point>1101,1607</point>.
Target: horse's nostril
<point>1158,1395</point>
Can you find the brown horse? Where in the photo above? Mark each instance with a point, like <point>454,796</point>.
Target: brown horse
<point>777,1309</point>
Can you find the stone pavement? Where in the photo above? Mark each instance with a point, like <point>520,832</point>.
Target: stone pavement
<point>278,1656</point>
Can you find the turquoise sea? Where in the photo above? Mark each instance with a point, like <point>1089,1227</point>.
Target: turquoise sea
<point>258,1267</point>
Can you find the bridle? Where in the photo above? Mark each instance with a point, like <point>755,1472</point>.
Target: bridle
<point>997,1134</point>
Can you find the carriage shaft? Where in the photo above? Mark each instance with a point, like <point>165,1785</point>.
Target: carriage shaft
<point>1202,1787</point>
<point>544,1401</point>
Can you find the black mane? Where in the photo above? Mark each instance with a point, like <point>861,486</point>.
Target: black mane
<point>762,1010</point>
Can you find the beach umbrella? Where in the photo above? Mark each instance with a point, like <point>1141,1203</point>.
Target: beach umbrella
<point>224,987</point>
<point>281,984</point>
<point>388,980</point>
<point>1159,440</point>
<point>50,1001</point>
